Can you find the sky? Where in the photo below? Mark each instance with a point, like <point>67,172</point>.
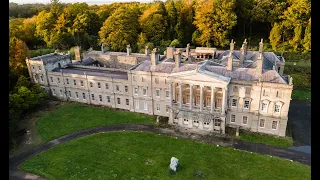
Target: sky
<point>74,1</point>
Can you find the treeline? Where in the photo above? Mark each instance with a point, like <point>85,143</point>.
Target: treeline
<point>211,23</point>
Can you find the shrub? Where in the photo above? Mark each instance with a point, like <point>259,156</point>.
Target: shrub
<point>175,43</point>
<point>199,173</point>
<point>300,81</point>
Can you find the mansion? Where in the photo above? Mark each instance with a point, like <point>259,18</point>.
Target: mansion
<point>203,89</point>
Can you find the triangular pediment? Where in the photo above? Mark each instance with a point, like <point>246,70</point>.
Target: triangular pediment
<point>200,76</point>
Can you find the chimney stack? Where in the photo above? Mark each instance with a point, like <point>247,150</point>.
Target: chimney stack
<point>103,48</point>
<point>177,59</point>
<point>243,52</point>
<point>77,53</point>
<point>154,57</point>
<point>128,50</point>
<point>230,57</point>
<point>146,51</point>
<point>260,59</point>
<point>188,50</point>
<point>170,52</point>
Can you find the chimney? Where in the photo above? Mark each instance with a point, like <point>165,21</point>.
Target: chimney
<point>243,52</point>
<point>103,48</point>
<point>229,67</point>
<point>146,51</point>
<point>77,53</point>
<point>188,50</point>
<point>128,50</point>
<point>170,52</point>
<point>177,59</point>
<point>154,57</point>
<point>260,59</point>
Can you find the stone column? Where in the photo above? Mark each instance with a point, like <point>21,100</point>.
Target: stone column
<point>191,95</point>
<point>224,100</point>
<point>180,94</point>
<point>201,98</point>
<point>212,99</point>
<point>171,95</point>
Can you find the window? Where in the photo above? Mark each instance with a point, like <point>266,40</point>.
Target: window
<point>156,80</point>
<point>107,86</point>
<point>235,89</point>
<point>248,90</point>
<point>117,87</point>
<point>264,107</point>
<point>167,94</point>
<point>91,85</point>
<point>77,95</point>
<point>126,88</point>
<point>165,81</point>
<point>233,118</point>
<point>234,103</point>
<point>39,68</point>
<point>61,94</point>
<point>274,124</point>
<point>279,94</point>
<point>70,94</point>
<point>99,85</point>
<point>127,102</point>
<point>142,79</point>
<point>206,123</point>
<point>217,122</point>
<point>118,100</point>
<point>137,104</point>
<point>81,82</point>
<point>246,104</point>
<point>83,95</point>
<point>134,78</point>
<point>276,108</point>
<point>195,123</point>
<point>244,120</point>
<point>53,92</point>
<point>265,93</point>
<point>108,99</point>
<point>51,79</point>
<point>41,78</point>
<point>158,107</point>
<point>145,106</point>
<point>136,91</point>
<point>92,96</point>
<point>144,91</point>
<point>100,98</point>
<point>58,80</point>
<point>261,124</point>
<point>158,93</point>
<point>167,108</point>
<point>67,81</point>
<point>185,121</point>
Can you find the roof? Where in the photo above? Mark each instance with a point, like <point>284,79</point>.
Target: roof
<point>88,61</point>
<point>114,53</point>
<point>247,74</point>
<point>93,72</point>
<point>52,57</point>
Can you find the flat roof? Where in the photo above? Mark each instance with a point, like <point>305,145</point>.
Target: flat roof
<point>93,72</point>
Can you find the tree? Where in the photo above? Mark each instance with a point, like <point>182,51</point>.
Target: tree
<point>18,52</point>
<point>172,18</point>
<point>214,20</point>
<point>275,36</point>
<point>121,29</point>
<point>175,43</point>
<point>154,23</point>
<point>307,37</point>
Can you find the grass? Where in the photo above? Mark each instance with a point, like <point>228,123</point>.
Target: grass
<point>265,139</point>
<point>304,95</point>
<point>72,117</point>
<point>142,155</point>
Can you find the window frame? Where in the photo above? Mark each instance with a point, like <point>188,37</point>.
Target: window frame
<point>99,85</point>
<point>53,92</point>
<point>118,100</point>
<point>145,106</point>
<point>244,104</point>
<point>266,107</point>
<point>167,108</point>
<point>84,96</point>
<point>108,99</point>
<point>233,116</point>
<point>264,123</point>
<point>117,88</point>
<point>126,89</point>
<point>92,97</point>
<point>236,102</point>
<point>127,102</point>
<point>74,82</point>
<point>81,83</point>
<point>158,93</point>
<point>77,95</point>
<point>243,117</point>
<point>100,98</point>
<point>276,125</point>
<point>144,90</point>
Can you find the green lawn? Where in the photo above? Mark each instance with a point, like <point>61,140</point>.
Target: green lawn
<point>301,95</point>
<point>265,139</point>
<point>142,155</point>
<point>72,117</point>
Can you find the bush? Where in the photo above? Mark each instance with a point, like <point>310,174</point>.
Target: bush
<point>40,52</point>
<point>175,43</point>
<point>300,81</point>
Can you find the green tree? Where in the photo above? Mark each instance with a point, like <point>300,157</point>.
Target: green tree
<point>175,43</point>
<point>275,36</point>
<point>121,28</point>
<point>307,37</point>
<point>214,20</point>
<point>154,23</point>
<point>172,18</point>
<point>18,52</point>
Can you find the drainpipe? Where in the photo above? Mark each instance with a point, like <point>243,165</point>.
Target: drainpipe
<point>259,105</point>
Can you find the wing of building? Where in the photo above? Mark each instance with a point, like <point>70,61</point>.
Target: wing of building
<point>203,89</point>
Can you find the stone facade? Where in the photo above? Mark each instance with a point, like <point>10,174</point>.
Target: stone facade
<point>205,95</point>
